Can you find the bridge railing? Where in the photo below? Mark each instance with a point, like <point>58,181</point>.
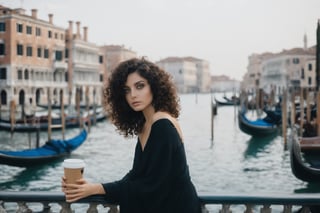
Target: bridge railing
<point>27,202</point>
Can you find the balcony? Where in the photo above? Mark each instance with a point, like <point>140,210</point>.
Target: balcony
<point>225,203</point>
<point>60,65</point>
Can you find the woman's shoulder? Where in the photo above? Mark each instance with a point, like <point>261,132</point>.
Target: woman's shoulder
<point>164,118</point>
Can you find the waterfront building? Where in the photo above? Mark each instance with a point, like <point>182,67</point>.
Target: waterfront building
<point>113,55</point>
<point>37,58</point>
<point>275,71</point>
<point>251,78</point>
<point>190,74</point>
<point>223,83</point>
<point>84,63</point>
<point>31,56</point>
<point>283,70</point>
<point>308,74</point>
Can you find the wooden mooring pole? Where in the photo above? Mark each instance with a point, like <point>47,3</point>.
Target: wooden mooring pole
<point>284,117</point>
<point>318,110</point>
<point>212,120</point>
<point>63,119</point>
<point>49,113</point>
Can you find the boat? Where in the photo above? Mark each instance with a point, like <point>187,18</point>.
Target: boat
<point>51,150</point>
<point>305,167</point>
<point>259,127</point>
<point>310,144</point>
<point>40,123</point>
<point>227,101</point>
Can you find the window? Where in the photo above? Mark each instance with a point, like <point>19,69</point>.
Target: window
<point>38,31</point>
<point>56,35</point>
<point>309,80</point>
<point>2,49</point>
<point>26,74</point>
<point>19,49</point>
<point>302,73</point>
<point>3,73</point>
<point>100,59</point>
<point>296,61</point>
<point>39,52</point>
<point>67,53</point>
<point>310,67</point>
<point>59,55</point>
<point>19,74</point>
<point>49,34</point>
<point>46,53</point>
<point>19,28</point>
<point>2,27</point>
<point>29,51</point>
<point>29,30</point>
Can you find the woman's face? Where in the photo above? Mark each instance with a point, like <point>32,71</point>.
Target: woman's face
<point>138,92</point>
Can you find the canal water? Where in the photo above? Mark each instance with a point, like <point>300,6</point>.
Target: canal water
<point>233,162</point>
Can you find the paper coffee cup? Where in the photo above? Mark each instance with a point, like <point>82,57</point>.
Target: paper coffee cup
<point>73,170</point>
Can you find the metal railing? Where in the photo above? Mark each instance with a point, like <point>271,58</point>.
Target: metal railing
<point>23,202</point>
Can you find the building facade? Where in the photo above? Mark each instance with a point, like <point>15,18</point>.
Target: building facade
<point>293,68</point>
<point>38,58</point>
<point>113,55</point>
<point>189,74</point>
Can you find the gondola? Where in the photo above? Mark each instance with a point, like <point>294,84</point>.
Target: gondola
<point>260,127</point>
<point>38,124</point>
<point>227,102</point>
<point>51,150</point>
<point>41,123</point>
<point>305,171</point>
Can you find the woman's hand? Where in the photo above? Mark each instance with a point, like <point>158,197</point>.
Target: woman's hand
<point>81,189</point>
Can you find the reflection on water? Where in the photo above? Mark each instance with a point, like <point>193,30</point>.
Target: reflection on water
<point>309,188</point>
<point>235,163</point>
<point>255,145</point>
<point>24,176</point>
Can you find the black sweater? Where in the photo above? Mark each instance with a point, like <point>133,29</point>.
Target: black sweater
<point>159,180</point>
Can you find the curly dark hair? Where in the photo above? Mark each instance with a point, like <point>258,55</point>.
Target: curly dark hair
<point>165,97</point>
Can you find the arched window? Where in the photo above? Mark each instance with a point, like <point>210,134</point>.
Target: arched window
<point>3,97</point>
<point>19,74</point>
<point>21,97</point>
<point>38,96</point>
<point>26,74</point>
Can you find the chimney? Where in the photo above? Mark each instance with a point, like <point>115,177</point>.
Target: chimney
<point>70,29</point>
<point>85,33</point>
<point>50,18</point>
<point>78,30</point>
<point>34,13</point>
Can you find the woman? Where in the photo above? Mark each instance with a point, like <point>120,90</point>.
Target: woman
<point>141,100</point>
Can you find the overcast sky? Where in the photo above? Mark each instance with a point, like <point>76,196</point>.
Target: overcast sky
<point>222,32</point>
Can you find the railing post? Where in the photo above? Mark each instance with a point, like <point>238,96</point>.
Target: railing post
<point>113,208</point>
<point>92,208</point>
<point>65,207</point>
<point>23,208</point>
<point>225,208</point>
<point>2,210</point>
<point>287,209</point>
<point>248,208</point>
<point>266,209</point>
<point>305,209</point>
<point>46,207</point>
<point>204,209</point>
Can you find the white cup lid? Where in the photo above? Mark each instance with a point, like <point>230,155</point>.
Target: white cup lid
<point>73,163</point>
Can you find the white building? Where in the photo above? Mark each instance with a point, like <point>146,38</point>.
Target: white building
<point>284,69</point>
<point>189,74</point>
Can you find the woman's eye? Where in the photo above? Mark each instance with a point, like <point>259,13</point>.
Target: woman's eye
<point>140,86</point>
<point>126,90</point>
